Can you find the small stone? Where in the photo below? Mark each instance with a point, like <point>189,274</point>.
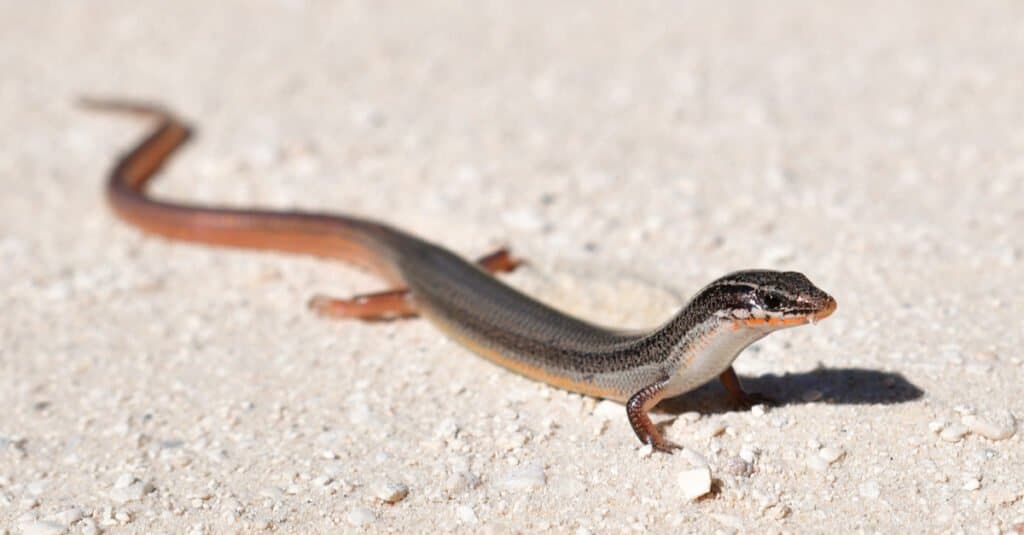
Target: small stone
<point>953,433</point>
<point>748,453</point>
<point>128,490</point>
<point>360,516</point>
<point>41,527</point>
<point>68,516</point>
<point>466,515</point>
<point>695,483</point>
<point>817,463</point>
<point>645,451</point>
<point>869,489</point>
<point>995,426</point>
<point>830,454</point>
<point>36,488</point>
<point>608,410</point>
<point>936,426</point>
<point>738,467</point>
<point>88,527</point>
<point>389,491</point>
<point>526,477</point>
<point>459,482</point>
<point>757,410</point>
<point>124,481</point>
<point>695,459</point>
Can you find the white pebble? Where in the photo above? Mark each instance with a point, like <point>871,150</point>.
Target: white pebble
<point>526,477</point>
<point>757,410</point>
<point>466,515</point>
<point>997,426</point>
<point>36,488</point>
<point>830,454</point>
<point>132,492</point>
<point>609,410</point>
<point>869,489</point>
<point>695,459</point>
<point>124,481</point>
<point>645,451</point>
<point>89,527</point>
<point>389,491</point>
<point>41,527</point>
<point>68,516</point>
<point>936,426</point>
<point>695,483</point>
<point>972,483</point>
<point>953,433</point>
<point>360,516</point>
<point>748,453</point>
<point>817,463</point>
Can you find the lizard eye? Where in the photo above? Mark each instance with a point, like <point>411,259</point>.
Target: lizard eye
<point>771,301</point>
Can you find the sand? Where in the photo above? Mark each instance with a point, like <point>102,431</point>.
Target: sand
<point>631,154</point>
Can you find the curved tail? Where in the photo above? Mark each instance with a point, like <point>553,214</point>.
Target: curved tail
<point>358,241</point>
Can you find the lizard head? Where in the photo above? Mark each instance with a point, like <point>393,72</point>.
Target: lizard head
<point>768,300</point>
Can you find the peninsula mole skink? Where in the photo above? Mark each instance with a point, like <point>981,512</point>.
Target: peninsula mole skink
<point>476,309</point>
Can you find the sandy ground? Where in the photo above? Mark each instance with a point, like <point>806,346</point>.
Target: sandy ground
<point>631,154</point>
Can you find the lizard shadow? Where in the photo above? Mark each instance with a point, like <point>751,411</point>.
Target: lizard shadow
<point>838,386</point>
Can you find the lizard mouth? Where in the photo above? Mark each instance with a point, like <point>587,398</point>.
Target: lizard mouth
<point>826,309</point>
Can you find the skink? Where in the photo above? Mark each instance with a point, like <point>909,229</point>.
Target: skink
<point>473,307</point>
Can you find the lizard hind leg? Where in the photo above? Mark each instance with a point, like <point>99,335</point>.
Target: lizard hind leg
<point>397,303</point>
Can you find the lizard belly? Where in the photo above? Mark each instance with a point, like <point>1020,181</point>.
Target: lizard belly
<point>706,354</point>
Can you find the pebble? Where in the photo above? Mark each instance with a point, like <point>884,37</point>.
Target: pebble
<point>995,426</point>
<point>68,516</point>
<point>460,482</point>
<point>530,476</point>
<point>972,483</point>
<point>466,515</point>
<point>738,467</point>
<point>936,426</point>
<point>360,516</point>
<point>41,527</point>
<point>817,463</point>
<point>748,453</point>
<point>869,489</point>
<point>389,491</point>
<point>830,454</point>
<point>953,433</point>
<point>128,488</point>
<point>608,410</point>
<point>695,483</point>
<point>88,527</point>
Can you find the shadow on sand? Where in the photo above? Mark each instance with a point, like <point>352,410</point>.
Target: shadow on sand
<point>838,386</point>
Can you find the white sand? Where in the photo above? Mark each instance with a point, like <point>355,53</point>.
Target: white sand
<point>631,154</point>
